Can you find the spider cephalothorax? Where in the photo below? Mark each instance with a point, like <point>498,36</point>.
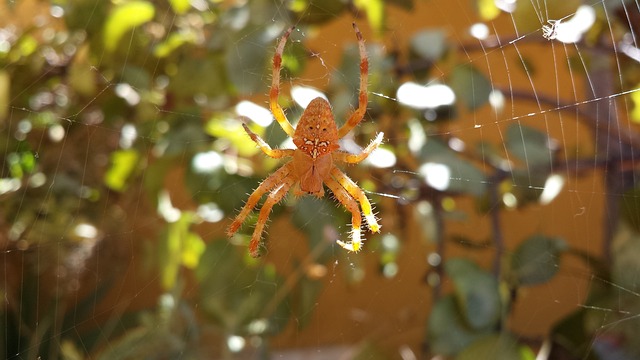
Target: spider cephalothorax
<point>312,165</point>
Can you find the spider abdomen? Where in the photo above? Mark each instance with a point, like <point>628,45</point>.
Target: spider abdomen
<point>317,134</point>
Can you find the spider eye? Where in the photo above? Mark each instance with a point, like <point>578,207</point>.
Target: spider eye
<point>310,127</point>
<point>324,129</point>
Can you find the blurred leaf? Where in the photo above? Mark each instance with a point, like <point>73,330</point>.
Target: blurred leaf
<point>148,341</point>
<point>530,145</point>
<point>169,257</point>
<point>136,76</point>
<point>307,293</point>
<point>197,76</point>
<point>125,17</point>
<point>527,186</point>
<point>231,129</point>
<point>81,73</point>
<point>526,14</point>
<point>487,9</point>
<point>470,85</point>
<point>123,164</point>
<point>192,248</point>
<point>537,259</point>
<point>173,42</point>
<point>463,176</point>
<point>180,6</point>
<point>404,4</point>
<point>447,332</point>
<point>625,253</point>
<point>429,44</point>
<point>635,100</point>
<point>496,347</point>
<point>569,333</point>
<point>368,350</point>
<point>476,293</point>
<point>375,13</point>
<point>27,45</point>
<point>315,217</point>
<point>248,60</point>
<point>5,95</point>
<point>317,11</point>
<point>239,296</point>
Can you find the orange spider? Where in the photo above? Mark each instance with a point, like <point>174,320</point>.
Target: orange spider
<point>316,138</point>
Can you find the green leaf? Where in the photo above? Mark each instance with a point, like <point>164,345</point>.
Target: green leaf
<point>238,295</point>
<point>5,94</point>
<point>454,174</point>
<point>307,293</point>
<point>476,293</point>
<point>179,247</point>
<point>192,248</point>
<point>635,100</point>
<point>625,253</point>
<point>375,13</point>
<point>170,251</point>
<point>248,59</point>
<point>173,42</point>
<point>487,9</point>
<point>536,260</point>
<point>313,216</point>
<point>317,11</point>
<point>496,347</point>
<point>470,85</point>
<point>448,333</point>
<point>123,164</point>
<point>125,17</point>
<point>201,76</point>
<point>180,6</point>
<point>571,334</point>
<point>530,145</point>
<point>429,44</point>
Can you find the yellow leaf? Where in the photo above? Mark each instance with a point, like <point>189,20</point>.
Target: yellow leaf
<point>124,18</point>
<point>635,98</point>
<point>488,10</point>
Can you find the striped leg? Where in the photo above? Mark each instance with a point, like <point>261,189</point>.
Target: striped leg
<point>277,153</point>
<point>359,195</point>
<point>274,197</point>
<point>276,109</point>
<point>267,184</point>
<point>357,115</point>
<point>350,203</point>
<point>356,158</point>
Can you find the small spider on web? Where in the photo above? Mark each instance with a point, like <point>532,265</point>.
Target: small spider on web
<point>312,162</point>
<point>550,31</point>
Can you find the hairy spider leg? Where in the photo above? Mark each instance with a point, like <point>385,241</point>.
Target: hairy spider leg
<point>357,115</point>
<point>267,184</point>
<point>356,158</point>
<point>276,109</point>
<point>341,194</point>
<point>359,195</point>
<point>274,197</point>
<point>274,153</point>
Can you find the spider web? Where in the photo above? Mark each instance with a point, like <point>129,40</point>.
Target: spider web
<point>95,286</point>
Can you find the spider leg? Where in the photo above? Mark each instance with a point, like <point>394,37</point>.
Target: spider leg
<point>277,153</point>
<point>356,158</point>
<point>357,115</point>
<point>350,203</point>
<point>359,195</point>
<point>274,197</point>
<point>267,184</point>
<point>276,109</point>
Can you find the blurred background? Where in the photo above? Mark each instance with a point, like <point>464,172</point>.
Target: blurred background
<point>506,184</point>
